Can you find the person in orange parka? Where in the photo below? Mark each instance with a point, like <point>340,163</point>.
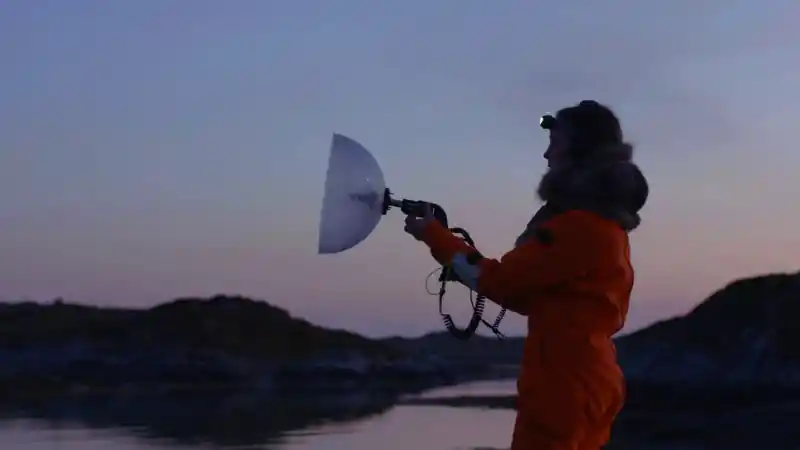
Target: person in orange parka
<point>570,274</point>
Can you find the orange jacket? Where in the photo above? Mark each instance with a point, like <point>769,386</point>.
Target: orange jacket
<point>573,281</point>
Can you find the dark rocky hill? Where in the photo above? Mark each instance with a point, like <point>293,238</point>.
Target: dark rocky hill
<point>745,334</point>
<point>234,325</point>
<point>190,343</point>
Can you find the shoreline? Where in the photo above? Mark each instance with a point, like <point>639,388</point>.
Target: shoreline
<point>398,389</point>
<point>646,399</point>
<point>466,401</point>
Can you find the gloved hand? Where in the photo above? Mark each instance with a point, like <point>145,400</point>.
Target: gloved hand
<point>416,224</point>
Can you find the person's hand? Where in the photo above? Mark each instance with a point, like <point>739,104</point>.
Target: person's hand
<point>415,225</point>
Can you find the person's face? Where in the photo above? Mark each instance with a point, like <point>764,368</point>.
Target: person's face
<point>557,152</point>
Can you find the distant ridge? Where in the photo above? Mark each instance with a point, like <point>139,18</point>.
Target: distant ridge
<point>237,325</point>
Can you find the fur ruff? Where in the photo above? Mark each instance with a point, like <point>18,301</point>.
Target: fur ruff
<point>608,184</point>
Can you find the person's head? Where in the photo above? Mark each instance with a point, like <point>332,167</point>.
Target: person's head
<point>577,133</point>
<point>590,164</point>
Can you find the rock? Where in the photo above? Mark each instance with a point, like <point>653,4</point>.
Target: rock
<point>744,336</point>
<point>190,343</point>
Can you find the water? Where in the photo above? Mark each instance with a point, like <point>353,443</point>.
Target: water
<point>367,421</point>
<point>213,422</point>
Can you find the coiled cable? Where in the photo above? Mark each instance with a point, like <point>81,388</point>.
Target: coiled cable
<point>478,302</point>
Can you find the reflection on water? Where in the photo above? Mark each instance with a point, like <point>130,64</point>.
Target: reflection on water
<point>33,435</point>
<point>356,422</point>
<point>478,389</point>
<point>280,422</point>
<point>409,427</point>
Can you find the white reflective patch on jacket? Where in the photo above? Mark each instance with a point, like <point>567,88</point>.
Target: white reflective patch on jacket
<point>467,272</point>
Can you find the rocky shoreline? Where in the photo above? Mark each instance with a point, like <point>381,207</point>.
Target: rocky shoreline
<point>740,343</point>
<point>83,367</point>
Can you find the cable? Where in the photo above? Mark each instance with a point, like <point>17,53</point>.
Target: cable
<point>428,279</point>
<point>446,274</point>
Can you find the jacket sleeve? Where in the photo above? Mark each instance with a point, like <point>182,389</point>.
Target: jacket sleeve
<point>565,248</point>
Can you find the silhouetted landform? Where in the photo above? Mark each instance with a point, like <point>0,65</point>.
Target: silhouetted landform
<point>487,355</point>
<point>477,350</point>
<point>189,343</point>
<point>743,343</point>
<point>745,334</point>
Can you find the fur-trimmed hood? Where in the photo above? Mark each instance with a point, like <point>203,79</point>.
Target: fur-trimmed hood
<point>608,183</point>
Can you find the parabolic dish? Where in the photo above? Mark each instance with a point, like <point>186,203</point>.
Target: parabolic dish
<point>352,204</point>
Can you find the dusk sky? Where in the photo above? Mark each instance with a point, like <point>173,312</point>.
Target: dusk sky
<point>154,149</point>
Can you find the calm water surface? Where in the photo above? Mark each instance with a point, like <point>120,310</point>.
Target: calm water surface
<point>239,423</point>
<point>367,421</point>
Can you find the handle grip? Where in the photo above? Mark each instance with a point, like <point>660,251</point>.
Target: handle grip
<point>417,208</point>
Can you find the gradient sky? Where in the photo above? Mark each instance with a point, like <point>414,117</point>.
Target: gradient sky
<point>153,149</point>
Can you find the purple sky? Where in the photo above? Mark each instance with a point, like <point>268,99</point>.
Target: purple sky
<point>154,149</point>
